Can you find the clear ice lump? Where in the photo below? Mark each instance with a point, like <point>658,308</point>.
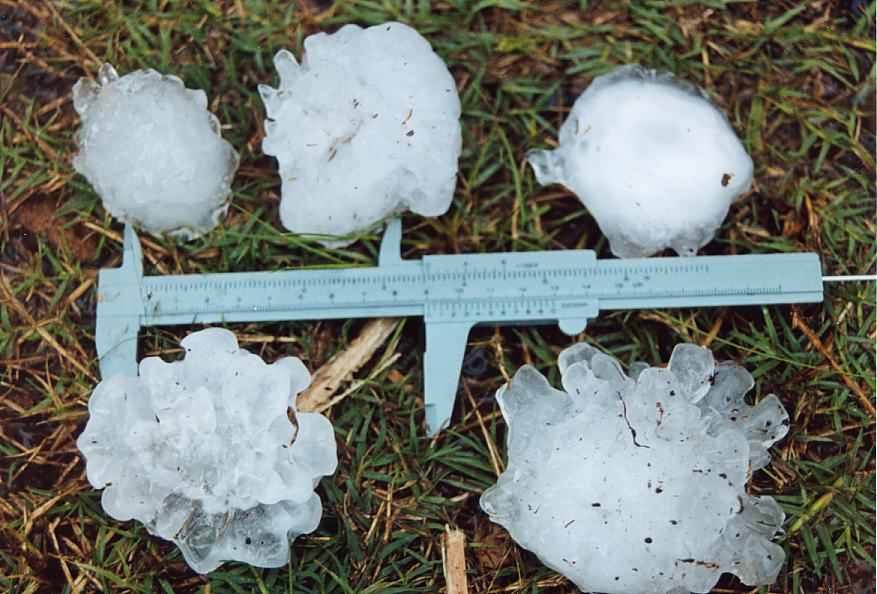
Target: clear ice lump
<point>153,152</point>
<point>636,483</point>
<point>652,158</point>
<point>210,452</point>
<point>367,126</point>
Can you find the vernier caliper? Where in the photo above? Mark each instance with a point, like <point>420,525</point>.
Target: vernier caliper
<point>451,292</point>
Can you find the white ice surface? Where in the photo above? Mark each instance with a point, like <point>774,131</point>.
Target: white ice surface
<point>653,160</point>
<point>638,486</point>
<point>153,152</point>
<point>367,126</point>
<point>210,453</point>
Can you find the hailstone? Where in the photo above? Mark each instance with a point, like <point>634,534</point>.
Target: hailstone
<point>210,453</point>
<point>653,159</point>
<point>367,126</point>
<point>153,152</point>
<point>637,483</point>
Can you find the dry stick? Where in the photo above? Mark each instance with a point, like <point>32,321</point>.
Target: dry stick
<point>454,561</point>
<point>357,384</point>
<point>818,344</point>
<point>328,378</point>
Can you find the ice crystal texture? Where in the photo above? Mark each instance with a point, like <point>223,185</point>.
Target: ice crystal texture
<point>652,158</point>
<point>153,152</point>
<point>637,483</point>
<point>210,453</point>
<point>367,126</point>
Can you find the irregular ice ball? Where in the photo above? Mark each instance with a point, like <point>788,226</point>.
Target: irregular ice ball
<point>638,484</point>
<point>153,152</point>
<point>652,158</point>
<point>210,453</point>
<point>366,127</point>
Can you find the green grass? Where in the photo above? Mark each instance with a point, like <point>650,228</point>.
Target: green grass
<point>797,81</point>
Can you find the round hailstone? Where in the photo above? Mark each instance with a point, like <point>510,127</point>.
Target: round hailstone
<point>153,152</point>
<point>638,484</point>
<point>652,158</point>
<point>366,127</point>
<point>210,453</point>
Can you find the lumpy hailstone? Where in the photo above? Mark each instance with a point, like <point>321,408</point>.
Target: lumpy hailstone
<point>367,126</point>
<point>637,483</point>
<point>204,453</point>
<point>153,152</point>
<point>652,158</point>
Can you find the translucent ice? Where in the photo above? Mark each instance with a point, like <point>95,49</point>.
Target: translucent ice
<point>153,152</point>
<point>652,158</point>
<point>639,485</point>
<point>367,126</point>
<point>210,453</point>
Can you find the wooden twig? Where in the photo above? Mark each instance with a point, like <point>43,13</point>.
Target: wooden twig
<point>454,561</point>
<point>329,378</point>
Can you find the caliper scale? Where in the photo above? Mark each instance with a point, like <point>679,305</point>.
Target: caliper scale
<point>451,292</point>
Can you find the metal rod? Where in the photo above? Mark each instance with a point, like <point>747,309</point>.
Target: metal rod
<point>849,277</point>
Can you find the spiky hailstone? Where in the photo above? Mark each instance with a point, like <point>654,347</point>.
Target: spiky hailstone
<point>637,483</point>
<point>210,453</point>
<point>153,152</point>
<point>653,159</point>
<point>367,126</point>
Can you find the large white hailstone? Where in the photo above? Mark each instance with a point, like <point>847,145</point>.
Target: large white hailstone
<point>637,484</point>
<point>153,152</point>
<point>210,453</point>
<point>367,126</point>
<point>653,159</point>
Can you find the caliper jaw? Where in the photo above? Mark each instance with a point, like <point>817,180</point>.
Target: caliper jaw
<point>119,309</point>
